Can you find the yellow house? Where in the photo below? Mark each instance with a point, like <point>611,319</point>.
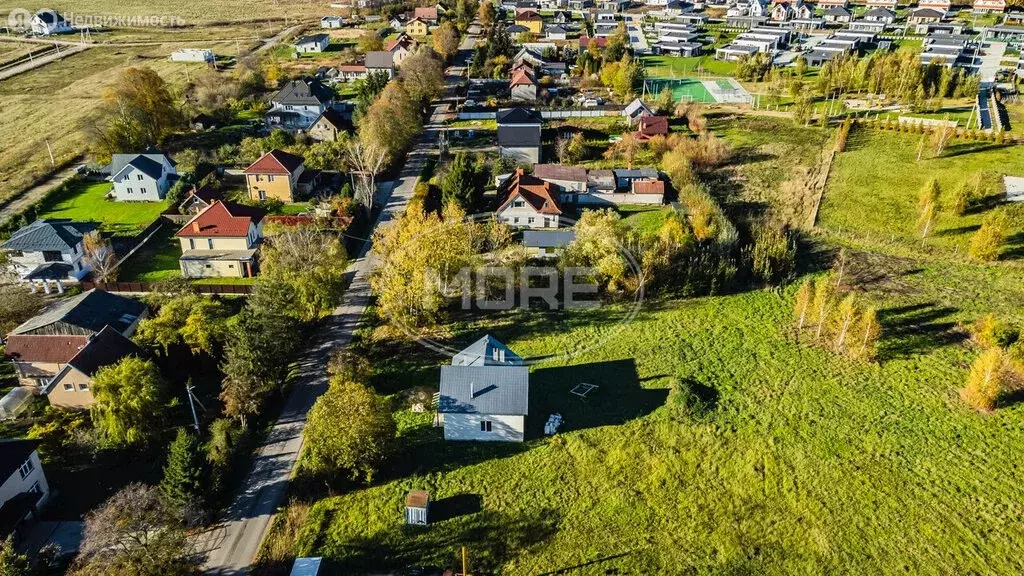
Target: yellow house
<point>72,386</point>
<point>417,27</point>
<point>530,20</point>
<point>221,241</point>
<point>275,175</point>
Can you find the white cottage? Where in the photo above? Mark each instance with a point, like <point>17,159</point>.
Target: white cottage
<point>485,394</point>
<point>142,177</point>
<point>49,251</point>
<point>24,489</point>
<point>47,22</point>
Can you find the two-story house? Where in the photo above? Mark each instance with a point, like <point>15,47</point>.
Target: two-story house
<point>529,202</point>
<point>46,22</point>
<point>484,394</point>
<point>49,250</point>
<point>380,61</point>
<point>401,48</point>
<point>221,241</point>
<point>275,175</point>
<point>312,43</point>
<point>71,387</point>
<point>142,177</point>
<point>417,27</point>
<point>23,486</point>
<point>519,135</point>
<point>298,104</point>
<point>40,347</point>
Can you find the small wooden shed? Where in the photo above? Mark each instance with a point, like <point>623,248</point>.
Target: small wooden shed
<point>417,507</point>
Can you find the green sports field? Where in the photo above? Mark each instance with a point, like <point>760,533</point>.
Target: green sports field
<point>683,89</point>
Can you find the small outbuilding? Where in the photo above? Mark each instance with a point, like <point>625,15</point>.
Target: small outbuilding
<point>417,507</point>
<point>1014,188</point>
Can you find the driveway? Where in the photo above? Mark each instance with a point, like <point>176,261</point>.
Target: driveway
<point>18,204</point>
<point>231,546</point>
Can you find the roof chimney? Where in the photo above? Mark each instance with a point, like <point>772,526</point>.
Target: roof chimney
<point>195,226</point>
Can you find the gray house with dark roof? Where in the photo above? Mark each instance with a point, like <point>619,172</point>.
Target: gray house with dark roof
<point>298,104</point>
<point>142,177</point>
<point>23,486</point>
<point>519,135</point>
<point>49,250</point>
<point>485,394</point>
<point>380,61</point>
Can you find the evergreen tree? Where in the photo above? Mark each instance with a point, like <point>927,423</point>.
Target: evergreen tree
<point>460,185</point>
<point>183,475</point>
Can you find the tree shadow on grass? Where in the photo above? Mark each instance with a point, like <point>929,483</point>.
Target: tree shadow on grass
<point>492,538</point>
<point>958,231</point>
<point>1014,247</point>
<point>970,148</point>
<point>617,399</point>
<point>917,329</point>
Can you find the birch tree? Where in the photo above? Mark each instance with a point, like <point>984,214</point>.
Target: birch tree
<point>365,162</point>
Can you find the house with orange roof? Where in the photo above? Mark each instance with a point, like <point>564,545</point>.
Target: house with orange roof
<point>529,202</point>
<point>428,13</point>
<point>276,175</point>
<point>523,85</point>
<point>402,47</point>
<point>221,241</point>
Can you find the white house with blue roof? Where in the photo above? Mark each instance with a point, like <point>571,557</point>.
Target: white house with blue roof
<point>142,177</point>
<point>485,394</point>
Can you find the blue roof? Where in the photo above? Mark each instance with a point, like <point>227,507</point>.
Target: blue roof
<point>499,390</point>
<point>487,351</point>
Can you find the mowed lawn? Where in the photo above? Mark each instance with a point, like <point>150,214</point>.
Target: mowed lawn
<point>873,188</point>
<point>86,201</point>
<point>804,463</point>
<point>683,66</point>
<point>156,261</point>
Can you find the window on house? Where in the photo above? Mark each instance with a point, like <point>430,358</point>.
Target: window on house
<point>209,266</point>
<point>259,178</point>
<point>262,195</point>
<point>515,220</point>
<point>51,256</point>
<point>232,266</point>
<point>69,387</point>
<point>83,387</point>
<point>518,203</point>
<point>485,425</point>
<point>270,178</point>
<point>139,177</point>
<point>15,253</point>
<point>209,243</point>
<point>26,468</point>
<point>35,489</point>
<point>191,243</point>
<point>530,220</point>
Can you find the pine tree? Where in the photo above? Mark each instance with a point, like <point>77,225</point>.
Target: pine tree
<point>988,240</point>
<point>183,475</point>
<point>459,185</point>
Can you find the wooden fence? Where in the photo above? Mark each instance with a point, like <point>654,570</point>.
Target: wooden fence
<point>145,287</point>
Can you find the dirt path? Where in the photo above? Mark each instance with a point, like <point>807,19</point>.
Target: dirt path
<point>27,197</point>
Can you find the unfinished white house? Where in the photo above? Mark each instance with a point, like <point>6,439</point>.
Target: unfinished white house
<point>484,394</point>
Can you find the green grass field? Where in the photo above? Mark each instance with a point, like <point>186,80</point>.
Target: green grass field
<point>85,201</point>
<point>156,261</point>
<point>804,463</point>
<point>682,67</point>
<point>683,89</point>
<point>873,203</point>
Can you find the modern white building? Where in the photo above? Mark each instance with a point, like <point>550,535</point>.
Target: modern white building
<point>142,177</point>
<point>484,394</point>
<point>193,55</point>
<point>312,43</point>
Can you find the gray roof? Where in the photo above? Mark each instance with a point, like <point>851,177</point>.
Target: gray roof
<point>519,116</point>
<point>13,454</point>
<point>107,347</point>
<point>499,390</point>
<point>487,351</point>
<point>879,13</point>
<point>636,107</point>
<point>119,161</point>
<point>837,11</point>
<point>379,59</point>
<point>518,136</point>
<point>312,39</point>
<point>636,173</point>
<point>51,235</point>
<point>548,238</point>
<point>90,310</point>
<point>926,13</point>
<point>305,92</point>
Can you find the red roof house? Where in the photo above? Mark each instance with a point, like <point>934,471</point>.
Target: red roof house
<point>529,202</point>
<point>650,126</point>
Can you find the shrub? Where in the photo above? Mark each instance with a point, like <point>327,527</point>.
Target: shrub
<point>986,380</point>
<point>987,241</point>
<point>691,400</point>
<point>991,332</point>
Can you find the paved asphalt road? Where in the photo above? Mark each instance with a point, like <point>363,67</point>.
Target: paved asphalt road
<point>231,546</point>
